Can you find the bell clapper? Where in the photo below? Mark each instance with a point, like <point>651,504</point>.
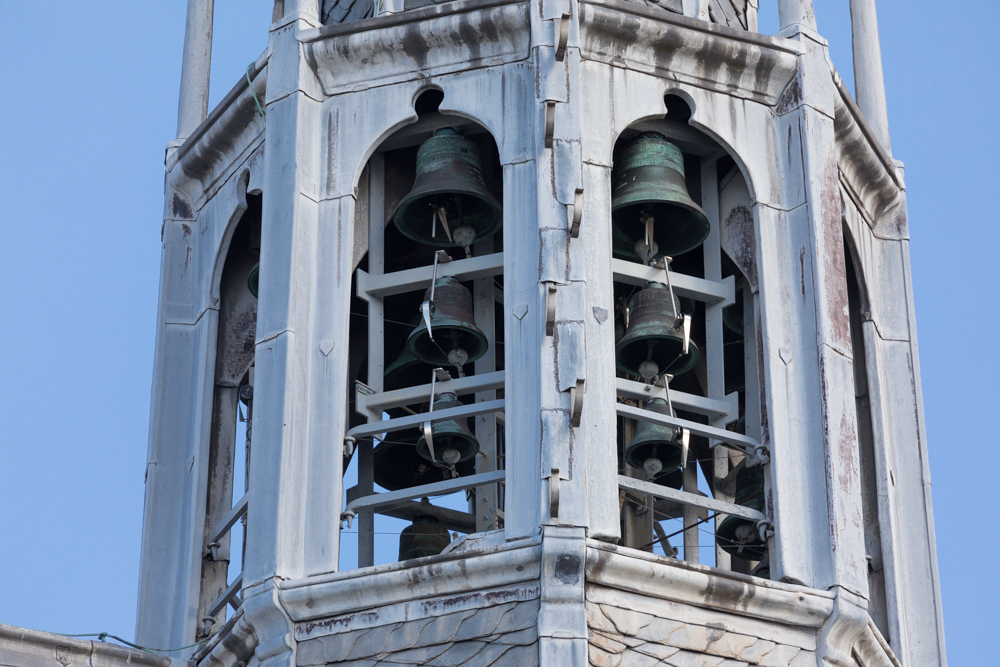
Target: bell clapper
<point>652,466</point>
<point>649,369</point>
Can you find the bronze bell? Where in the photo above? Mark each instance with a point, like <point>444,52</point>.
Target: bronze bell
<point>737,535</point>
<point>649,183</point>
<point>424,537</point>
<point>406,371</point>
<point>456,338</point>
<point>253,280</point>
<point>732,316</point>
<point>653,344</point>
<point>453,441</point>
<point>397,465</point>
<point>449,205</point>
<point>655,449</point>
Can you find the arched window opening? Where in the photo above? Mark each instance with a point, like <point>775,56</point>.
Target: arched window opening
<point>685,344</point>
<point>232,414</point>
<point>877,604</point>
<point>430,208</point>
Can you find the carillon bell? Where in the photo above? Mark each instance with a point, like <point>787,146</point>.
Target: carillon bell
<point>397,465</point>
<point>454,338</point>
<point>739,536</point>
<point>650,192</point>
<point>449,205</point>
<point>653,344</point>
<point>655,449</point>
<point>424,537</point>
<point>406,371</point>
<point>732,316</point>
<point>453,441</point>
<point>253,280</point>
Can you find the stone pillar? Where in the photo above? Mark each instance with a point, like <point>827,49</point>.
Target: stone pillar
<point>869,83</point>
<point>796,12</point>
<point>192,106</point>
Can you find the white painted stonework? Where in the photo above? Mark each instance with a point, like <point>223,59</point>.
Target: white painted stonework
<point>791,173</point>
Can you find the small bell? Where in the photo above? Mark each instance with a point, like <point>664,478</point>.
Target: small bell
<point>253,280</point>
<point>453,441</point>
<point>424,537</point>
<point>653,344</point>
<point>449,205</point>
<point>732,316</point>
<point>397,465</point>
<point>650,191</point>
<point>739,536</point>
<point>655,449</point>
<point>456,338</point>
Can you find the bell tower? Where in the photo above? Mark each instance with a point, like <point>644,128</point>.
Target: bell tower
<point>537,332</point>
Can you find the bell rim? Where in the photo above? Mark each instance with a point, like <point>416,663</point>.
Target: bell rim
<point>690,360</point>
<point>413,195</point>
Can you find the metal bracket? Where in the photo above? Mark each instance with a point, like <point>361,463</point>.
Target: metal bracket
<point>427,307</point>
<point>574,214</point>
<point>550,122</point>
<point>762,453</point>
<point>765,529</point>
<point>347,516</point>
<point>560,35</point>
<point>213,548</point>
<point>554,494</point>
<point>349,445</point>
<point>550,309</point>
<point>576,393</point>
<point>685,433</point>
<point>680,320</point>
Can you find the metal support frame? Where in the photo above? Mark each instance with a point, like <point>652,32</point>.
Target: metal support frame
<point>442,488</point>
<point>721,292</point>
<point>688,499</point>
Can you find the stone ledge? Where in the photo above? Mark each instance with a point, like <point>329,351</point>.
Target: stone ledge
<point>21,647</point>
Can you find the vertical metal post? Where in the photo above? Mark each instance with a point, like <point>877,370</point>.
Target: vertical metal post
<point>714,345</point>
<point>869,82</point>
<point>376,350</point>
<point>192,105</point>
<point>691,513</point>
<point>484,298</point>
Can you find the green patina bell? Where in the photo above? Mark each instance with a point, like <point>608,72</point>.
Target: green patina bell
<point>253,280</point>
<point>739,536</point>
<point>397,465</point>
<point>732,355</point>
<point>652,337</point>
<point>424,537</point>
<point>655,449</point>
<point>732,316</point>
<point>650,182</point>
<point>450,180</point>
<point>453,441</point>
<point>457,340</point>
<point>406,371</point>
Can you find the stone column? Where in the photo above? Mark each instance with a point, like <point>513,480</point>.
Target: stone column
<point>192,106</point>
<point>796,12</point>
<point>869,83</point>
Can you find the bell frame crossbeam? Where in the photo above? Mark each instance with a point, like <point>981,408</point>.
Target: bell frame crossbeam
<point>685,498</point>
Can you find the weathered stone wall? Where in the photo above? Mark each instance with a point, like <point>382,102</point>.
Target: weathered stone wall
<point>630,629</point>
<point>502,634</point>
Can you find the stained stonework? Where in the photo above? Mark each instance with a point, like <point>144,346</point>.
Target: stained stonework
<point>504,634</point>
<point>621,632</point>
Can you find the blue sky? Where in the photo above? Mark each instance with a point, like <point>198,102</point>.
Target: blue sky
<point>90,103</point>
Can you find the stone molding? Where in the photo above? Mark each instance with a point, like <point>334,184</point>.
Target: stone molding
<point>21,647</point>
<point>335,594</point>
<point>670,579</point>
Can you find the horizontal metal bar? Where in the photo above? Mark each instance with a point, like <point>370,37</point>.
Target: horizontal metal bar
<point>227,595</point>
<point>399,282</point>
<point>460,386</point>
<point>709,291</point>
<point>741,442</point>
<point>443,488</point>
<point>228,521</point>
<point>685,498</point>
<point>462,522</point>
<point>710,407</point>
<point>409,421</point>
